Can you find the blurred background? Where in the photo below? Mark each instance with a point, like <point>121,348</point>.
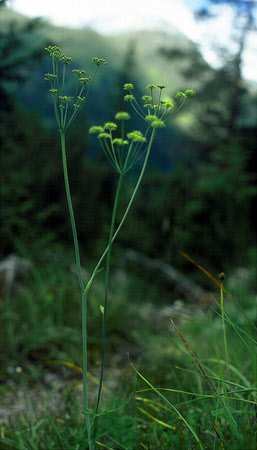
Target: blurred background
<point>199,189</point>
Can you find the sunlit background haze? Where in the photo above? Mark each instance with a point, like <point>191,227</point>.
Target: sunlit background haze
<point>116,16</point>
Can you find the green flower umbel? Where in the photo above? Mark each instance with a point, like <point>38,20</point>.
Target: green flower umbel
<point>67,107</point>
<point>155,110</point>
<point>122,152</point>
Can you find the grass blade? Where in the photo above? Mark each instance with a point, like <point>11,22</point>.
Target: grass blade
<point>170,404</point>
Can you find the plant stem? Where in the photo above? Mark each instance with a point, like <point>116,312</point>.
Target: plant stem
<point>130,202</point>
<point>84,364</point>
<point>81,284</point>
<point>72,219</point>
<point>112,237</point>
<point>107,276</point>
<point>224,327</point>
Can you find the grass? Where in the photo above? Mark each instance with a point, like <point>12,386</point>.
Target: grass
<point>185,392</point>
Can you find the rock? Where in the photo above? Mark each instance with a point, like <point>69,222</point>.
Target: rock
<point>13,271</point>
<point>181,285</point>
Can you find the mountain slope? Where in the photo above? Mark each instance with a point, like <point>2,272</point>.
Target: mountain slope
<point>149,66</point>
<point>83,44</point>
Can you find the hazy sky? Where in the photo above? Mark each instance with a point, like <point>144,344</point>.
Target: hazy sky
<point>112,16</point>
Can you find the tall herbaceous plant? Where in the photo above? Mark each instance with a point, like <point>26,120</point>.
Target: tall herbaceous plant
<point>123,149</point>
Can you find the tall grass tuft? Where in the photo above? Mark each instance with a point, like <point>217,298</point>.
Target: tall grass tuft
<point>227,393</point>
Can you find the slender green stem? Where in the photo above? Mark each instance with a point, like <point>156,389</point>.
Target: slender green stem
<point>84,362</point>
<point>224,327</point>
<point>75,113</point>
<point>63,78</point>
<point>56,101</point>
<point>94,424</point>
<point>175,110</point>
<point>130,202</point>
<point>72,219</point>
<point>91,430</point>
<point>81,284</point>
<point>112,237</point>
<point>107,276</point>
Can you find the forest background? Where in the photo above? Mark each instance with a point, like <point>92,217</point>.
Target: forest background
<point>198,193</point>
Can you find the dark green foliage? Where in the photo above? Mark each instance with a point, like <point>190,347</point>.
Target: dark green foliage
<point>22,171</point>
<point>21,50</point>
<point>191,208</point>
<point>209,218</point>
<point>197,209</point>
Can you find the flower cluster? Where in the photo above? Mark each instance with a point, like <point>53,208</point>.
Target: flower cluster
<point>99,61</point>
<point>158,110</point>
<point>67,107</point>
<point>50,77</point>
<point>55,52</point>
<point>122,152</point>
<point>79,72</point>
